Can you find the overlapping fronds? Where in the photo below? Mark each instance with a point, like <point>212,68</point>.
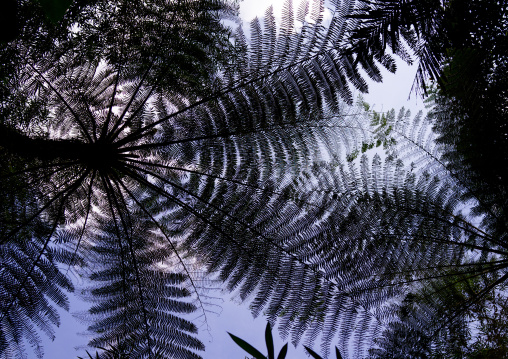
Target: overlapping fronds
<point>159,144</point>
<point>32,285</point>
<point>435,317</point>
<point>410,139</point>
<point>377,233</point>
<point>181,42</point>
<point>59,117</point>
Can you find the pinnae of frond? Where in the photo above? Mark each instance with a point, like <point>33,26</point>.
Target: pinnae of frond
<point>105,183</point>
<point>243,223</point>
<point>468,228</point>
<point>293,125</point>
<point>135,263</point>
<point>173,247</point>
<point>36,261</point>
<point>447,241</point>
<point>91,115</point>
<point>231,180</point>
<point>118,127</point>
<point>105,127</point>
<point>163,193</point>
<point>427,238</point>
<point>139,133</point>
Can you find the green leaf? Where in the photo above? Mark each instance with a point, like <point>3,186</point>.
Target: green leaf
<point>283,352</point>
<point>55,9</point>
<point>312,352</point>
<point>337,353</point>
<point>247,347</point>
<point>269,341</point>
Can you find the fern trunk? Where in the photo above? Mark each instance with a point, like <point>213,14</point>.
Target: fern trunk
<point>95,154</point>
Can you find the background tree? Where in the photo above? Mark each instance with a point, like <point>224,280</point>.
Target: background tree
<point>492,341</point>
<point>468,33</point>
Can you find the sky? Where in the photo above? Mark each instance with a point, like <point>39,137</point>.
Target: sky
<point>393,92</point>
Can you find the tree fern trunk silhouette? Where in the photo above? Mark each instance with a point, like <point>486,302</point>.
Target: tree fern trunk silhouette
<point>93,155</point>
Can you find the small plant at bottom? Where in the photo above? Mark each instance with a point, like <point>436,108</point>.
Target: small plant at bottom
<point>269,346</point>
<point>316,356</point>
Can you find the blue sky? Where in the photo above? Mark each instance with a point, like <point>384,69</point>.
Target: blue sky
<point>235,318</point>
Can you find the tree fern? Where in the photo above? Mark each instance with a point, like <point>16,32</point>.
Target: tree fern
<point>222,155</point>
<point>116,114</point>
